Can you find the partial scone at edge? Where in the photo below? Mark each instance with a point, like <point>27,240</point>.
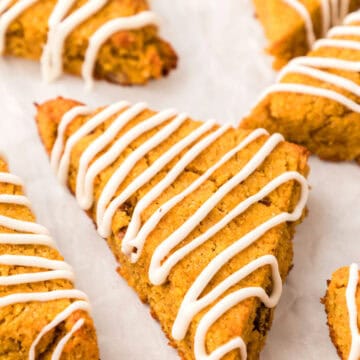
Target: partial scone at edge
<point>315,99</point>
<point>22,323</point>
<point>285,28</point>
<point>129,57</point>
<point>251,319</point>
<point>287,39</point>
<point>337,311</point>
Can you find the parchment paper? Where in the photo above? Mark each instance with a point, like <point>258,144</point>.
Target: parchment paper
<point>221,72</point>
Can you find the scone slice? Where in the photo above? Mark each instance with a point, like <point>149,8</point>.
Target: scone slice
<point>115,40</point>
<point>292,26</point>
<point>42,315</point>
<point>342,304</point>
<point>199,217</point>
<point>315,101</point>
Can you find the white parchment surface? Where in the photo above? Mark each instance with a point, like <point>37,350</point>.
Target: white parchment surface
<point>221,72</point>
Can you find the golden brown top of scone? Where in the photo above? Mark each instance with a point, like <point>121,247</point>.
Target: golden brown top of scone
<point>248,319</point>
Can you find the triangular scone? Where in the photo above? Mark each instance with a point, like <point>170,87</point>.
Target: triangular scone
<point>292,26</point>
<point>342,304</point>
<point>116,40</point>
<point>42,315</point>
<point>189,202</point>
<point>316,100</point>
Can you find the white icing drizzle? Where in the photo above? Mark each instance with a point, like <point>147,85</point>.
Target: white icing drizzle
<point>159,267</point>
<point>101,153</point>
<point>326,18</point>
<point>344,31</point>
<point>124,169</point>
<point>61,24</point>
<point>332,12</point>
<point>89,126</point>
<point>352,18</point>
<point>314,91</point>
<point>322,75</point>
<point>339,10</point>
<point>10,178</point>
<point>342,44</point>
<point>353,312</point>
<point>105,222</point>
<point>344,9</point>
<point>311,66</point>
<point>4,4</point>
<point>30,233</point>
<point>68,118</point>
<point>136,234</point>
<point>59,29</point>
<point>226,304</point>
<point>305,15</point>
<point>60,346</point>
<point>75,306</point>
<point>138,21</point>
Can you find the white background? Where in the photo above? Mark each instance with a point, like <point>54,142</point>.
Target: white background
<point>221,72</point>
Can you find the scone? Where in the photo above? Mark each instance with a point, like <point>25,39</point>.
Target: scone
<point>199,217</point>
<point>315,102</point>
<point>42,315</point>
<point>342,302</point>
<point>292,26</point>
<point>115,40</point>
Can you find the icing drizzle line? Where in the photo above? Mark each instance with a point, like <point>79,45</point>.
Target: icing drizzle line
<point>105,149</point>
<point>61,24</point>
<point>352,310</point>
<point>332,12</point>
<point>35,234</point>
<point>311,66</point>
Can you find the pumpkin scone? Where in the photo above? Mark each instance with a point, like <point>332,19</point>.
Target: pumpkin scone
<point>115,40</point>
<point>292,26</point>
<point>342,304</point>
<point>42,315</point>
<point>315,102</point>
<point>200,217</point>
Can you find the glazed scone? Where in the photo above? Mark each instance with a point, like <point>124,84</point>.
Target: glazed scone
<point>292,26</point>
<point>342,304</point>
<point>115,40</point>
<point>42,315</point>
<point>199,217</point>
<point>315,102</point>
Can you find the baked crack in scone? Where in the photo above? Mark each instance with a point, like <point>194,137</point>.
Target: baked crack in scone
<point>115,40</point>
<point>42,315</point>
<point>292,26</point>
<point>342,302</point>
<point>315,102</point>
<point>199,217</point>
